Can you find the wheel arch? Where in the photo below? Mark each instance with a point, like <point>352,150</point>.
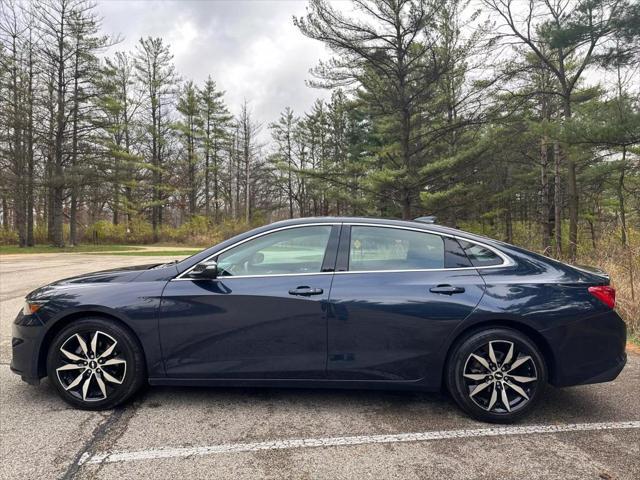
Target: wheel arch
<point>539,341</point>
<point>69,318</point>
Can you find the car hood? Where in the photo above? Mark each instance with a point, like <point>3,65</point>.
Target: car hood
<point>121,274</point>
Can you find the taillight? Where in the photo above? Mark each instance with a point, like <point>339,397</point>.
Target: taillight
<point>605,294</point>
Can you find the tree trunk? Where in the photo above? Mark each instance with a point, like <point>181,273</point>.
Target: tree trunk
<point>236,210</point>
<point>30,191</point>
<point>207,195</point>
<point>620,189</point>
<point>30,160</point>
<point>573,208</point>
<point>216,194</point>
<point>592,230</point>
<point>49,200</point>
<point>50,158</point>
<point>73,214</point>
<point>406,206</point>
<point>247,173</point>
<point>160,172</point>
<point>73,217</point>
<point>557,197</point>
<point>58,213</point>
<point>572,190</point>
<point>544,188</point>
<point>155,209</point>
<point>116,188</point>
<point>128,193</point>
<point>5,213</point>
<point>289,171</point>
<point>508,222</point>
<point>16,151</point>
<point>58,168</point>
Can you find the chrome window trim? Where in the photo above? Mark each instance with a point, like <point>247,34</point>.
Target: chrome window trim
<point>506,260</point>
<point>258,235</point>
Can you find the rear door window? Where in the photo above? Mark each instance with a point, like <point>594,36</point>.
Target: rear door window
<point>383,248</point>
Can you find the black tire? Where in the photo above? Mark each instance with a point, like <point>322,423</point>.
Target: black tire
<point>472,384</point>
<point>123,362</point>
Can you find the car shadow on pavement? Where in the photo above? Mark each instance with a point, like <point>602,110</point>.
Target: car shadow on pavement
<point>566,405</point>
<point>419,409</point>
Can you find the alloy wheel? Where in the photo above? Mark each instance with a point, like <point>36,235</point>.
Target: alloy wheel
<point>500,376</point>
<point>91,366</point>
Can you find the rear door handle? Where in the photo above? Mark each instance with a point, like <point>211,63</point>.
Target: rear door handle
<point>446,289</point>
<point>306,291</point>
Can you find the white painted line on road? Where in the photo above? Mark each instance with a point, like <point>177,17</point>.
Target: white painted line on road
<point>181,452</point>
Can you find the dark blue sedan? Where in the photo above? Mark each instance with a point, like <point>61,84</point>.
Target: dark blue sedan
<point>330,302</point>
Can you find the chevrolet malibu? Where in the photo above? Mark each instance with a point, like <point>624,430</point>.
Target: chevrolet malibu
<point>330,302</point>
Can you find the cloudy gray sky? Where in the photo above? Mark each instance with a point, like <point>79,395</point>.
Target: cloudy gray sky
<point>249,47</point>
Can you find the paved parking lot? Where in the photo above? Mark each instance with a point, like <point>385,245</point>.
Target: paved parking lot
<point>168,433</point>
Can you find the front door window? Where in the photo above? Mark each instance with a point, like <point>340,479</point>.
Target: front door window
<point>292,251</point>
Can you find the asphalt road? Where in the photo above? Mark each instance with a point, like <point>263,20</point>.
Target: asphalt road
<point>168,433</point>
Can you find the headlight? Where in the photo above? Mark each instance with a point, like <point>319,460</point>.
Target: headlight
<point>32,306</point>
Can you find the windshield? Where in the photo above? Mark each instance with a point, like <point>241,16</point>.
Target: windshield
<point>175,262</point>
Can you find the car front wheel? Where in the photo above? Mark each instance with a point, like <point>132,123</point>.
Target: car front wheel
<point>95,364</point>
<point>496,375</point>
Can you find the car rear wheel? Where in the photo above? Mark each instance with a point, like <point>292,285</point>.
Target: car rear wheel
<point>496,375</point>
<point>95,364</point>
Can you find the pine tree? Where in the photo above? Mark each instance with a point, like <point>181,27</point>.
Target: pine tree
<point>189,131</point>
<point>215,120</point>
<point>155,71</point>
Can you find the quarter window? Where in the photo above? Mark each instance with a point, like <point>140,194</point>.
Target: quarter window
<point>381,248</point>
<point>295,250</point>
<point>479,255</point>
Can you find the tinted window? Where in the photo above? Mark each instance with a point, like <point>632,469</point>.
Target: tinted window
<point>379,248</point>
<point>480,256</point>
<point>454,256</point>
<point>295,250</point>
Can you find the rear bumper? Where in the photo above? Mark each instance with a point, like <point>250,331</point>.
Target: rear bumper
<point>610,373</point>
<point>590,350</point>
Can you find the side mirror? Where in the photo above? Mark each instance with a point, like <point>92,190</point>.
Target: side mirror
<point>206,269</point>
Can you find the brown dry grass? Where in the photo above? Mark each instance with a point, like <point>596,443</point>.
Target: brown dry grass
<point>622,263</point>
<point>633,348</point>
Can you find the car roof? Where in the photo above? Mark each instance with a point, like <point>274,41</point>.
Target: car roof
<point>429,227</point>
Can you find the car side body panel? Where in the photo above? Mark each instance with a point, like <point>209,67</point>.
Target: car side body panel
<point>245,328</point>
<point>388,326</point>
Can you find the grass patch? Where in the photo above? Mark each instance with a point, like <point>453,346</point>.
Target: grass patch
<point>154,253</point>
<point>13,250</point>
<point>102,249</point>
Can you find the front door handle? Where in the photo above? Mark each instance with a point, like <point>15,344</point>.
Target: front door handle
<point>306,291</point>
<point>446,289</point>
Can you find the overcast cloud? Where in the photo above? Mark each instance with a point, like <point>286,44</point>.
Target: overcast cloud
<point>250,48</point>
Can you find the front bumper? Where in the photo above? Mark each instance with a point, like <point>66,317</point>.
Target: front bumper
<point>590,350</point>
<point>25,346</point>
